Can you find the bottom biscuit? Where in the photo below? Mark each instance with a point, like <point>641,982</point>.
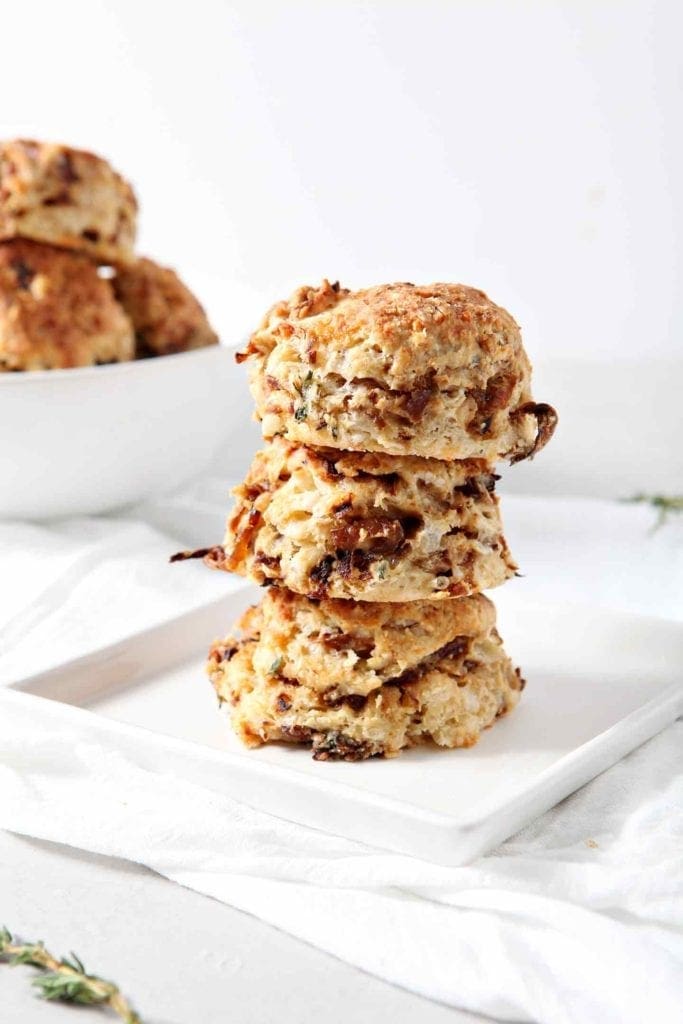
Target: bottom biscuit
<point>447,700</point>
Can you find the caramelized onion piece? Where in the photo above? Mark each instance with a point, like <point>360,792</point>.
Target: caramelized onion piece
<point>546,421</point>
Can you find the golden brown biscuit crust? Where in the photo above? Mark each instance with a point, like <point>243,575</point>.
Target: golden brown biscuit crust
<point>66,197</point>
<point>350,647</point>
<point>166,316</point>
<point>56,311</point>
<point>366,526</point>
<point>438,371</point>
<point>447,697</point>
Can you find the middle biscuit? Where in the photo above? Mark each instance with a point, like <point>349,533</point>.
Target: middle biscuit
<point>366,526</point>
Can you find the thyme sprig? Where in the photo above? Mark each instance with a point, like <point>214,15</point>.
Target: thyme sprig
<point>67,979</point>
<point>664,504</point>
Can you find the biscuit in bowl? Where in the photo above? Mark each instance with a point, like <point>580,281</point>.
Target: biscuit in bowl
<point>365,526</point>
<point>166,316</point>
<point>56,311</point>
<point>66,197</point>
<point>447,696</point>
<point>438,371</point>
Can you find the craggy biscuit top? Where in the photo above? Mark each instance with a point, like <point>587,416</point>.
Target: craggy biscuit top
<point>56,311</point>
<point>66,197</point>
<point>167,317</point>
<point>438,371</point>
<point>396,333</point>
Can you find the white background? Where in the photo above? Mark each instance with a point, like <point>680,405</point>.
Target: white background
<point>532,149</point>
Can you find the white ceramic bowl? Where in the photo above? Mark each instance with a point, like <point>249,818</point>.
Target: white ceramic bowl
<point>76,442</point>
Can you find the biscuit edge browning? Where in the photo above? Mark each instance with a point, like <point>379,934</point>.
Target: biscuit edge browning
<point>365,526</point>
<point>448,697</point>
<point>56,311</point>
<point>166,314</point>
<point>66,197</point>
<point>438,371</point>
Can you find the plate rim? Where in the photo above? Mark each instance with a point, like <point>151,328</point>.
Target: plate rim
<point>664,707</point>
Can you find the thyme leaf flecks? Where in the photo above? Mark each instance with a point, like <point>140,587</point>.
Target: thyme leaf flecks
<point>65,980</point>
<point>274,669</point>
<point>302,389</point>
<point>664,504</point>
<point>303,385</point>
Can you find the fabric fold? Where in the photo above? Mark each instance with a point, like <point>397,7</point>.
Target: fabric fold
<point>577,917</point>
<point>534,931</point>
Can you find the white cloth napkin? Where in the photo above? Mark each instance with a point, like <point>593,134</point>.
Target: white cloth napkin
<point>70,588</point>
<point>578,917</point>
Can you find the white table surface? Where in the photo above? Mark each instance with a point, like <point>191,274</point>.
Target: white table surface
<point>180,957</point>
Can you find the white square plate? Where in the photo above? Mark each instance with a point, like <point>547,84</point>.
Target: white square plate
<point>599,684</point>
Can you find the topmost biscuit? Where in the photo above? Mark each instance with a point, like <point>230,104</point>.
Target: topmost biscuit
<point>438,371</point>
<point>66,197</point>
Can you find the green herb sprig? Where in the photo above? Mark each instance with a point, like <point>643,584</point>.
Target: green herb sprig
<point>65,980</point>
<point>664,504</point>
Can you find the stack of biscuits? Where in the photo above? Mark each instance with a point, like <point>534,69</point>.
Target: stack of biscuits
<point>371,517</point>
<point>72,292</point>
